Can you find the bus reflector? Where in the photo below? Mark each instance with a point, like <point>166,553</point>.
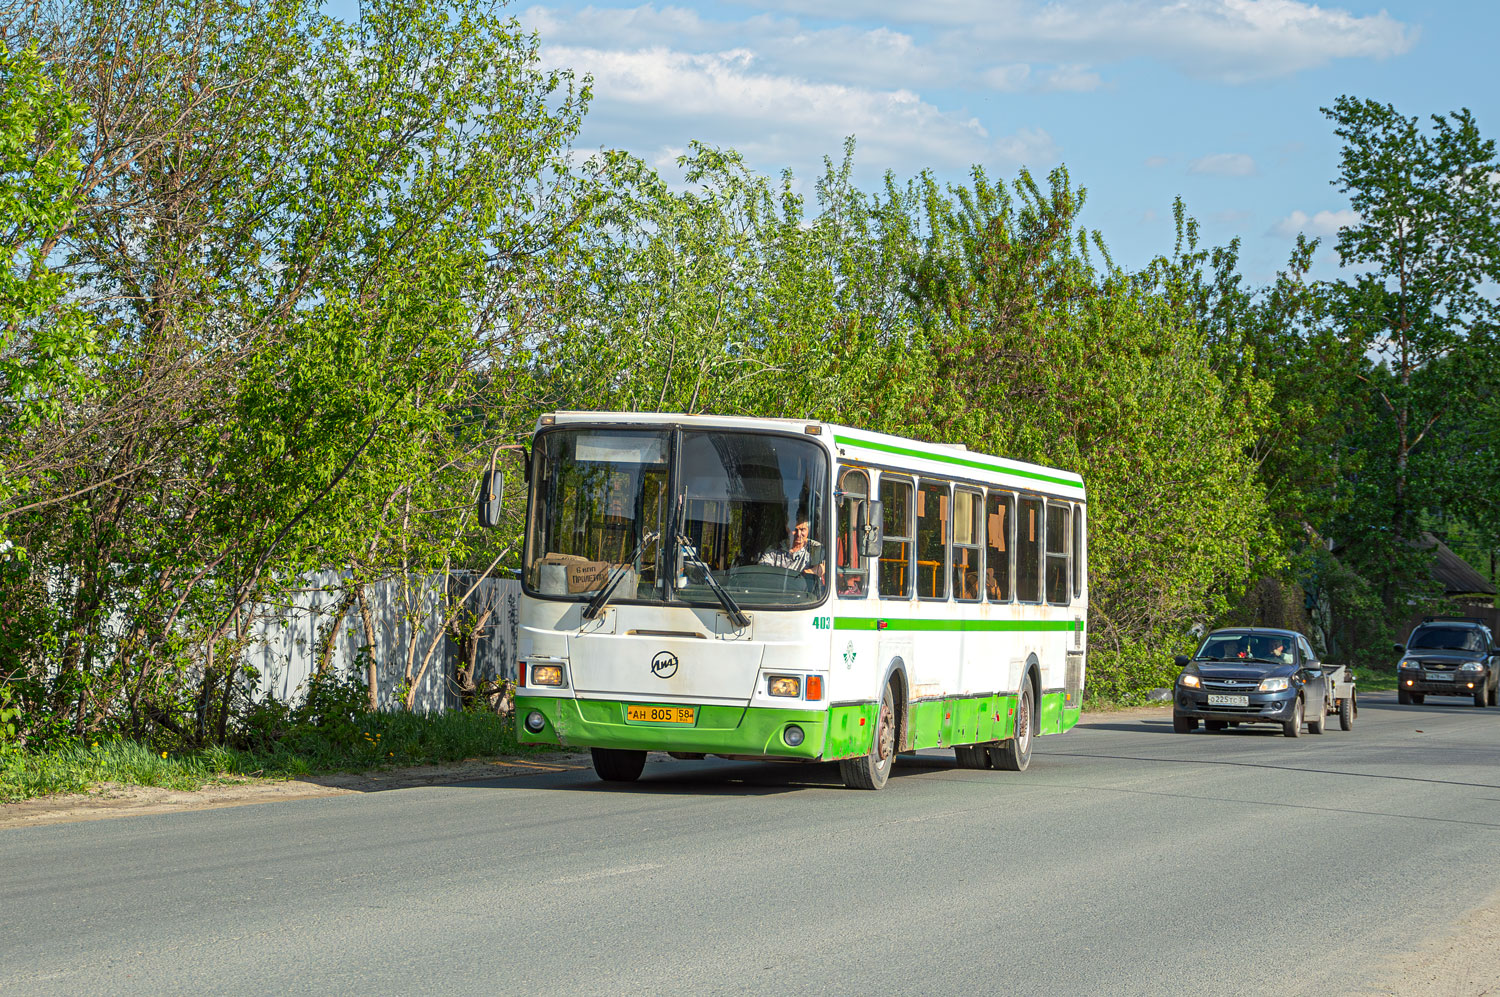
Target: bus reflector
<point>815,687</point>
<point>520,673</point>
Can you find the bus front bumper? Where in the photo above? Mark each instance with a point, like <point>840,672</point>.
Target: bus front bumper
<point>715,730</point>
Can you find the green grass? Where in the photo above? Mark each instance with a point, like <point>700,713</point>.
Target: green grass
<point>1375,679</point>
<point>378,741</point>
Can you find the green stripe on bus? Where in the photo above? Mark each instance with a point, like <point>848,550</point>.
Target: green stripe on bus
<point>970,626</point>
<point>960,461</point>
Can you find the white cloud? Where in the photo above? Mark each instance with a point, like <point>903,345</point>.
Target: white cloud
<point>1007,79</point>
<point>1027,147</point>
<point>1224,164</point>
<point>1229,40</point>
<point>722,97</point>
<point>1156,162</point>
<point>1075,79</point>
<point>1322,224</point>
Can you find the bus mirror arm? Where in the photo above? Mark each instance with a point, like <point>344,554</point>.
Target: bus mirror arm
<point>871,536</point>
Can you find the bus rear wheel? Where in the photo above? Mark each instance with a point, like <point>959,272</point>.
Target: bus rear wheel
<point>1014,753</point>
<point>870,771</point>
<point>972,756</point>
<point>618,764</point>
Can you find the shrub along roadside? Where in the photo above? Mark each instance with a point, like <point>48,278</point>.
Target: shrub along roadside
<point>378,741</point>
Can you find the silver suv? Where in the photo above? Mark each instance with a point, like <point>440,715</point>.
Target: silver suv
<point>1448,656</point>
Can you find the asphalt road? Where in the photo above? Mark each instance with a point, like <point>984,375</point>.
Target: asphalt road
<point>1128,860</point>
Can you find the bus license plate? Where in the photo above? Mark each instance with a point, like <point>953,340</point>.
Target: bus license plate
<point>660,714</point>
<point>1214,700</point>
<point>1439,677</point>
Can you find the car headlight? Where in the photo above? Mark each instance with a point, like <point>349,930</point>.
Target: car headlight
<point>1274,684</point>
<point>1471,666</point>
<point>1409,663</point>
<point>1191,681</point>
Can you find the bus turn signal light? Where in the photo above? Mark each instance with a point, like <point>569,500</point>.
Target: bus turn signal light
<point>815,687</point>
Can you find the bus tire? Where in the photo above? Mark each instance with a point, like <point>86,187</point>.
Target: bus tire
<point>971,756</point>
<point>1014,753</point>
<point>618,764</point>
<point>870,771</point>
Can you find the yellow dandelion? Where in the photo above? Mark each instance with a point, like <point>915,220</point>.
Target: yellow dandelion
<point>164,754</point>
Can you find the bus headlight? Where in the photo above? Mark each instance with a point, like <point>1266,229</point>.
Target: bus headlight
<point>547,675</point>
<point>793,735</point>
<point>535,722</point>
<point>787,686</point>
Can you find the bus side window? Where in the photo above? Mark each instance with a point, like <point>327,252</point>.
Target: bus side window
<point>895,561</point>
<point>1000,516</point>
<point>933,516</point>
<point>1077,551</point>
<point>968,536</point>
<point>1029,550</point>
<point>853,577</point>
<point>1057,553</point>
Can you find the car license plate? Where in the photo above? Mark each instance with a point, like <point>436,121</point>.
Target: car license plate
<point>660,714</point>
<point>1216,700</point>
<point>1439,676</point>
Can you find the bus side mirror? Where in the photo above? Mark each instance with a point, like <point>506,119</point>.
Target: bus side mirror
<point>871,536</point>
<point>491,491</point>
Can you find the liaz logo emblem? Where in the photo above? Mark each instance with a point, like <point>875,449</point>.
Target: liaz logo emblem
<point>664,665</point>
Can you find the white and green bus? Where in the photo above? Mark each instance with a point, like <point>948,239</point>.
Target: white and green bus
<point>778,589</point>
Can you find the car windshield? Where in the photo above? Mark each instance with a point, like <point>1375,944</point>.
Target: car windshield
<point>747,509</point>
<point>1446,639</point>
<point>1266,648</point>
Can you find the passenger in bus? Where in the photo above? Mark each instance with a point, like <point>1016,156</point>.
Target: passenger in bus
<point>991,584</point>
<point>796,553</point>
<point>970,589</point>
<point>852,583</point>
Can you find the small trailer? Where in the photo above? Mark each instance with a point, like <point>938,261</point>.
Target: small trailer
<point>1339,697</point>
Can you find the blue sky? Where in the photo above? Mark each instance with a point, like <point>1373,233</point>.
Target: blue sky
<point>1142,100</point>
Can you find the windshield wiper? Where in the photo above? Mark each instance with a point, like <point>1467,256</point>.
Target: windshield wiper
<point>736,614</point>
<point>596,604</point>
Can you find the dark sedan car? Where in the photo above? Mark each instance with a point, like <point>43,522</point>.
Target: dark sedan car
<point>1251,675</point>
<point>1448,656</point>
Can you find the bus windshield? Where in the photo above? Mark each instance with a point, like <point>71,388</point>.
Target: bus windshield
<point>747,508</point>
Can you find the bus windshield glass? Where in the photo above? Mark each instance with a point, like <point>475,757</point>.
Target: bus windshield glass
<point>747,509</point>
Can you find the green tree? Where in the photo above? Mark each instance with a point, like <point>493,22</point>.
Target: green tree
<point>1426,249</point>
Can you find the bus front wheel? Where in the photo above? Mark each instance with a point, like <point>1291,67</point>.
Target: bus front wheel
<point>1014,753</point>
<point>618,764</point>
<point>871,771</point>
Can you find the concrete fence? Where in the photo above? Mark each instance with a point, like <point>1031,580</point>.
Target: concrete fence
<point>407,618</point>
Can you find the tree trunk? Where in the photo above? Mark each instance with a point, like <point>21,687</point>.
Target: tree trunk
<point>369,648</point>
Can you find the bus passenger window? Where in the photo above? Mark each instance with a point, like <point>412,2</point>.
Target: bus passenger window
<point>895,559</point>
<point>932,540</point>
<point>1029,550</point>
<point>852,580</point>
<point>1077,551</point>
<point>1000,517</point>
<point>968,535</point>
<point>1057,553</point>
